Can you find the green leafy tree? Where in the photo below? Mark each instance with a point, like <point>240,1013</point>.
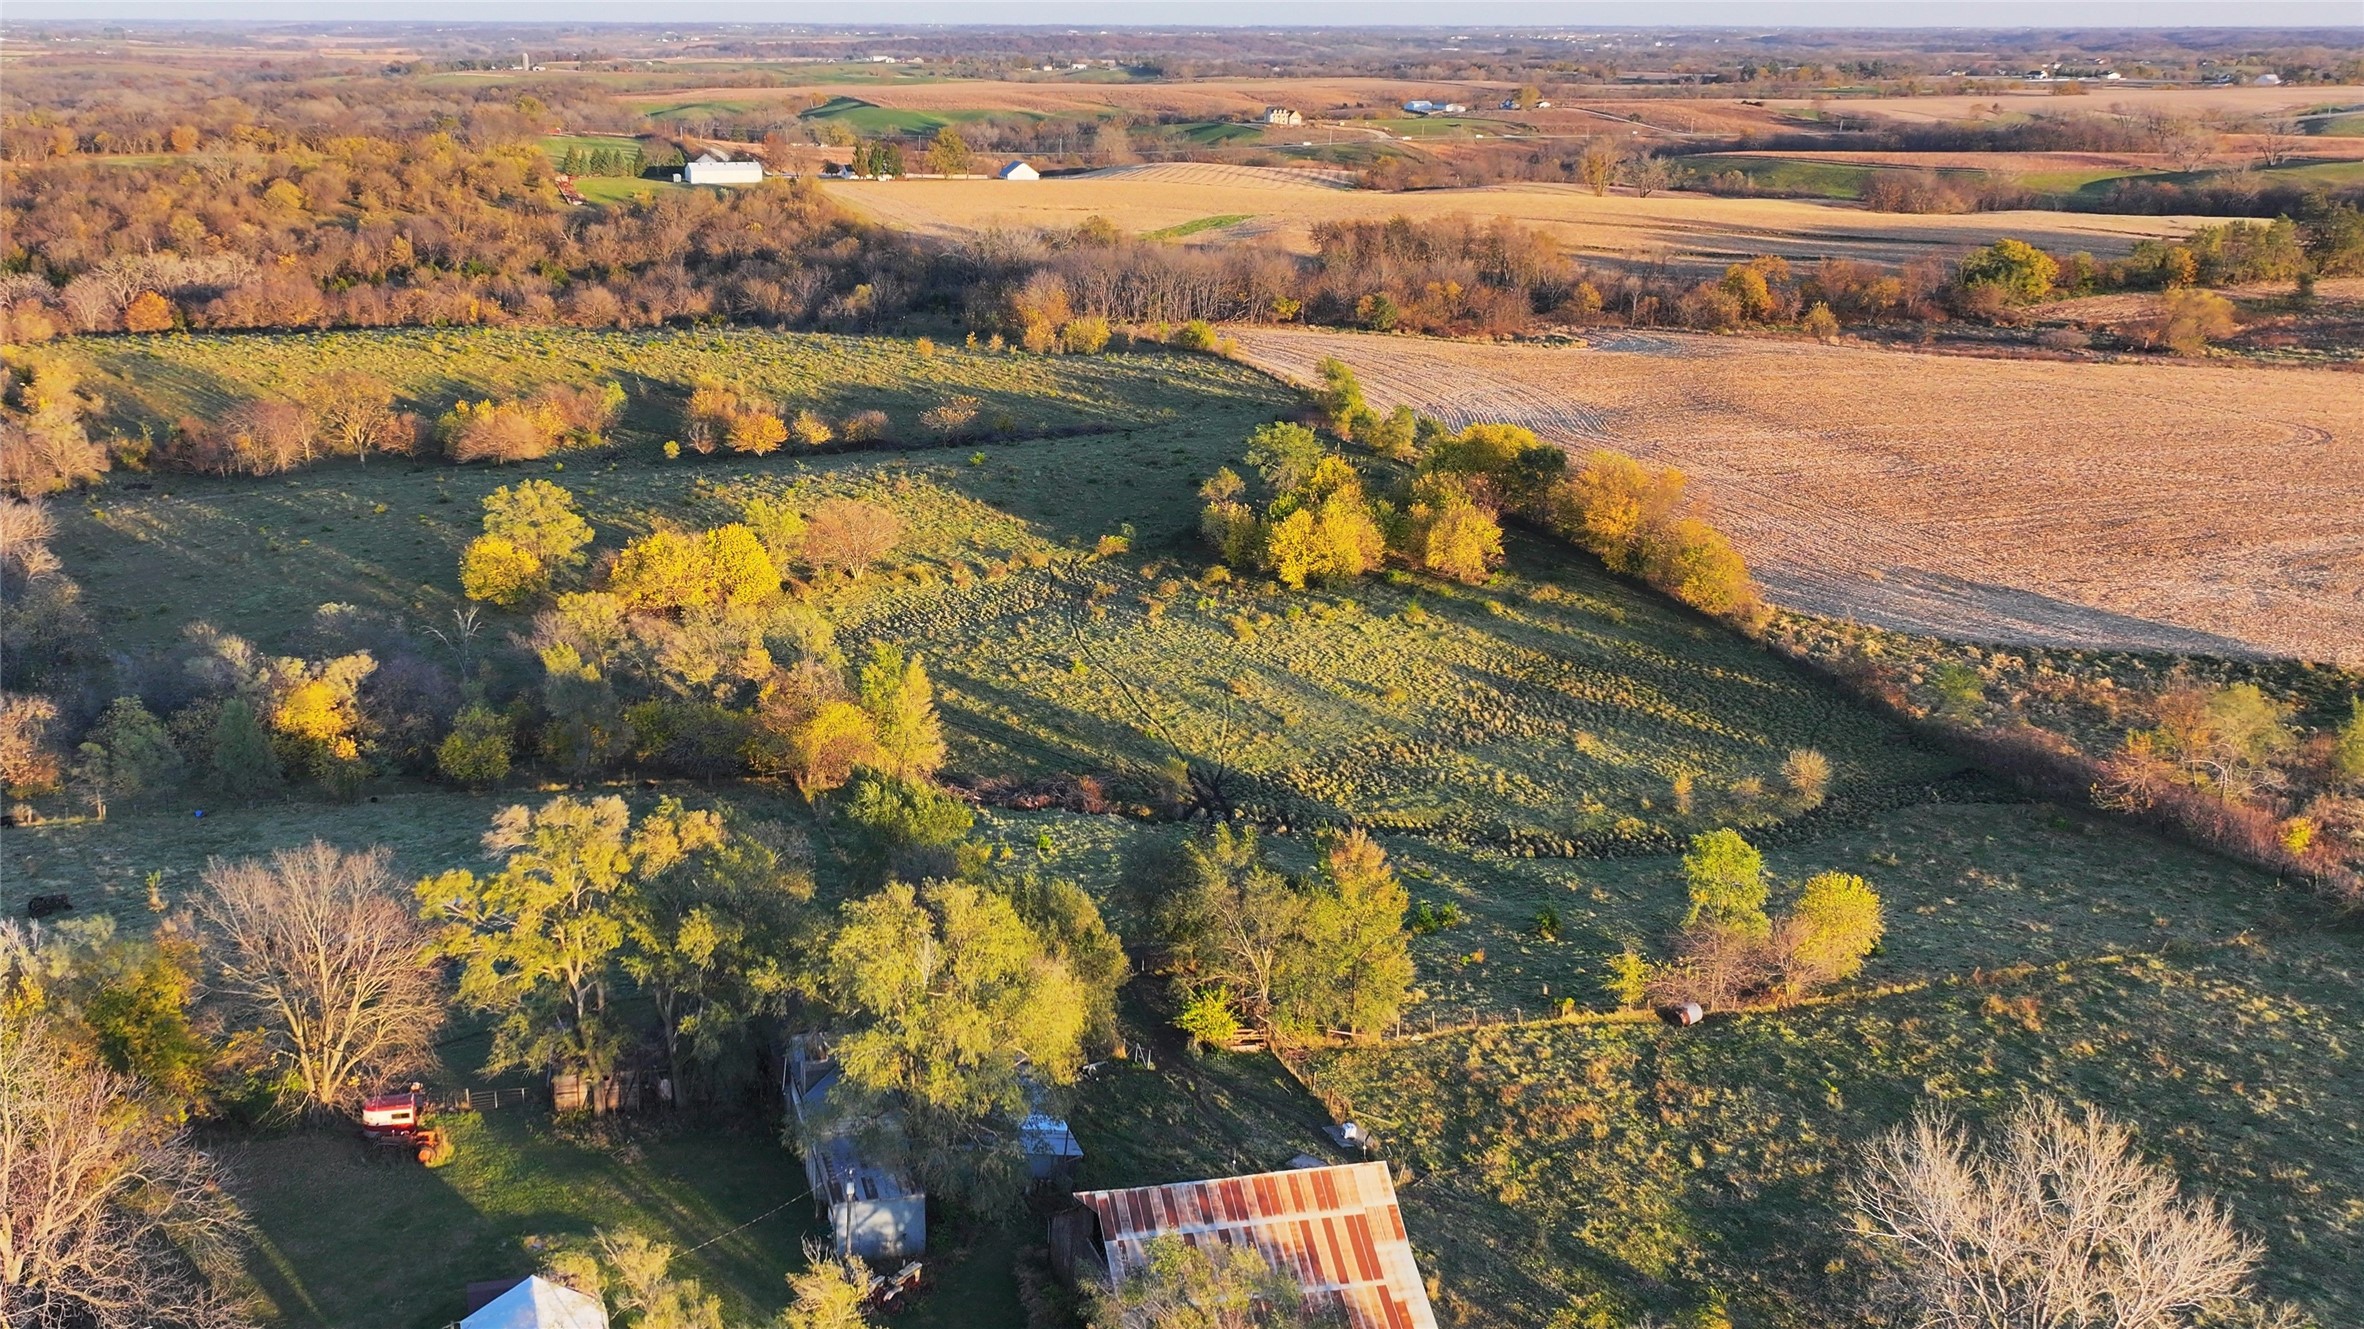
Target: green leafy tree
<point>2017,270</point>
<point>127,753</point>
<point>896,692</point>
<point>1067,920</point>
<point>1835,925</point>
<point>540,941</point>
<point>948,154</point>
<point>1350,967</point>
<point>1285,455</point>
<point>1340,394</point>
<point>2347,747</point>
<point>948,1004</point>
<point>586,730</point>
<point>1727,879</point>
<point>540,518</point>
<point>476,751</point>
<point>496,570</point>
<point>714,943</point>
<point>1298,958</point>
<point>243,765</point>
<point>909,825</point>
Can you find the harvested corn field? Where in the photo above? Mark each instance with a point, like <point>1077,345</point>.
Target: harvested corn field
<point>2162,507</point>
<point>1684,229</point>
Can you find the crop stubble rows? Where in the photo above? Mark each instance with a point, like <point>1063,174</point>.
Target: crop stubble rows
<point>2141,506</point>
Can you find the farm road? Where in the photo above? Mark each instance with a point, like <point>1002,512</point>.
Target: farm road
<point>2150,507</point>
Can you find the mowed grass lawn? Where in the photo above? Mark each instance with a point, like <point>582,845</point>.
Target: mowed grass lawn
<point>349,1234</point>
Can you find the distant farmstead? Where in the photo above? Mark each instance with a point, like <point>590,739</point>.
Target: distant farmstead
<point>1336,1230</point>
<point>1282,115</point>
<point>1017,171</point>
<point>714,169</point>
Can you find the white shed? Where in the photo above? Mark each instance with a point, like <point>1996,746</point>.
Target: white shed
<point>538,1303</point>
<point>1017,171</point>
<point>709,169</point>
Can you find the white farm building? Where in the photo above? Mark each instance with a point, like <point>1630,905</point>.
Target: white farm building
<point>1017,171</point>
<point>710,169</point>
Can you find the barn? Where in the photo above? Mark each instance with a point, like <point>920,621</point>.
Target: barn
<point>1017,171</point>
<point>1336,1230</point>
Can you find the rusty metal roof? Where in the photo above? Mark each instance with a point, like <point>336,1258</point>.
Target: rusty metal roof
<point>1336,1229</point>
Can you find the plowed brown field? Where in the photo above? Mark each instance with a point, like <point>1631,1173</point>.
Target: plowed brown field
<point>2160,507</point>
<point>1685,229</point>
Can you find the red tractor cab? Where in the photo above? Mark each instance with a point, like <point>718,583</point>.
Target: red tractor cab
<point>399,1120</point>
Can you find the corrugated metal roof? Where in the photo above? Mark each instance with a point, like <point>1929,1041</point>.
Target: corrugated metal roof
<point>1337,1230</point>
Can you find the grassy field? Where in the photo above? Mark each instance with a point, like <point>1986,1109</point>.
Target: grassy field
<point>1515,744</point>
<point>1199,226</point>
<point>1615,1166</point>
<point>1993,500</point>
<point>1554,707</point>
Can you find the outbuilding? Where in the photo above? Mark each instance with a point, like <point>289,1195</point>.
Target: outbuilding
<point>713,169</point>
<point>1017,171</point>
<point>1336,1230</point>
<point>532,1303</point>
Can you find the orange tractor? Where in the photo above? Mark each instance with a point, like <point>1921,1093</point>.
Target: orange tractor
<point>399,1121</point>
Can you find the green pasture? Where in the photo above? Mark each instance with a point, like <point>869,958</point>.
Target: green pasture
<point>556,146</point>
<point>1568,1169</point>
<point>1197,226</point>
<point>1218,133</point>
<point>695,109</point>
<point>865,118</point>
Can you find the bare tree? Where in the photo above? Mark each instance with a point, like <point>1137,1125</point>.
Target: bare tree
<point>109,1219</point>
<point>850,534</point>
<point>325,955</point>
<point>2277,138</point>
<point>2056,1224</point>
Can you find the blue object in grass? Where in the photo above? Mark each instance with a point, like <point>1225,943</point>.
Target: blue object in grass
<point>198,813</point>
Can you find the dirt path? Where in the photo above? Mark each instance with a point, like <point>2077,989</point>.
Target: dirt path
<point>2159,507</point>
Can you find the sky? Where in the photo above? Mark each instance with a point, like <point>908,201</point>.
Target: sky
<point>1556,13</point>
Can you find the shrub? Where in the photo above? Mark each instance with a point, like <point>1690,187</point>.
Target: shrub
<point>1628,980</point>
<point>778,525</point>
<point>1821,324</point>
<point>757,433</point>
<point>810,429</point>
<point>1084,336</point>
<point>1196,335</point>
<point>863,427</point>
<point>500,431</point>
<point>2187,322</point>
<point>952,418</point>
<point>1807,773</point>
<point>1209,1019</point>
